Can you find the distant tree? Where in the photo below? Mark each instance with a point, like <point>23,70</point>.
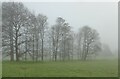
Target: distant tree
<point>56,35</point>
<point>106,51</point>
<point>62,39</point>
<point>32,36</point>
<point>42,25</point>
<point>66,41</point>
<point>0,30</point>
<point>79,44</point>
<point>88,41</point>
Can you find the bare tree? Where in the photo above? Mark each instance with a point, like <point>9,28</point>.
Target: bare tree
<point>7,29</point>
<point>15,18</point>
<point>61,39</point>
<point>56,34</point>
<point>66,40</point>
<point>88,39</point>
<point>42,24</point>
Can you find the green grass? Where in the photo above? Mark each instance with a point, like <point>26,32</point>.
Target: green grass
<point>96,68</point>
<point>0,69</point>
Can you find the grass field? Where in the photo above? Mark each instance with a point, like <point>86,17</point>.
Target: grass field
<point>95,68</point>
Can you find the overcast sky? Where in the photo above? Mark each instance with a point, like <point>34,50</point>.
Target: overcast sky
<point>102,16</point>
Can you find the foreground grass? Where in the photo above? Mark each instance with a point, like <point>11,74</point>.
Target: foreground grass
<point>0,69</point>
<point>96,68</point>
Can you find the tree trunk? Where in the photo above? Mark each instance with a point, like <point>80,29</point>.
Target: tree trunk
<point>36,49</point>
<point>42,50</point>
<point>33,49</point>
<point>12,52</point>
<point>16,46</point>
<point>56,50</point>
<point>11,44</point>
<point>26,49</point>
<point>86,53</point>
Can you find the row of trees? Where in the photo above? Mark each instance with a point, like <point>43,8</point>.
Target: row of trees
<point>26,36</point>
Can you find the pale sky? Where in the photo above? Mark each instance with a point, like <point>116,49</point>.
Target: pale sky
<point>102,16</point>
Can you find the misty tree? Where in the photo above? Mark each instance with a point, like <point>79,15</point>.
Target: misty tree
<point>49,43</point>
<point>62,40</point>
<point>56,33</point>
<point>69,46</point>
<point>7,30</point>
<point>14,20</point>
<point>88,42</point>
<point>33,37</point>
<point>106,51</point>
<point>27,36</point>
<point>66,41</point>
<point>79,44</point>
<point>42,25</point>
<point>0,29</point>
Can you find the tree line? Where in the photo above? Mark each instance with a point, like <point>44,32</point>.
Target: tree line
<point>26,36</point>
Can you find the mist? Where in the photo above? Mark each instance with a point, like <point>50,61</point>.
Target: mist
<point>65,39</point>
<point>101,16</point>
